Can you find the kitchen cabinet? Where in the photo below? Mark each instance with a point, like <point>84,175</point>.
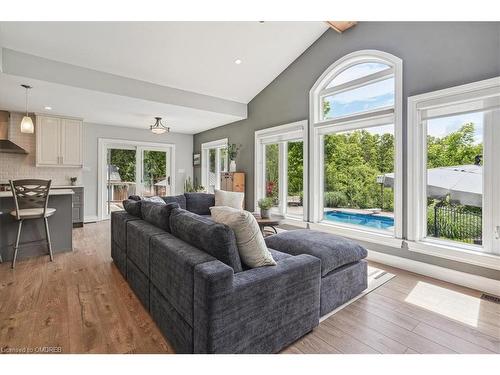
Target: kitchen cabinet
<point>58,141</point>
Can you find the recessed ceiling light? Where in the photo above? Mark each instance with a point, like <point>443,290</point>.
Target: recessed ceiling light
<point>48,108</point>
<point>237,61</point>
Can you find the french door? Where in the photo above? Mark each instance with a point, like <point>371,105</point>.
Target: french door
<point>133,168</point>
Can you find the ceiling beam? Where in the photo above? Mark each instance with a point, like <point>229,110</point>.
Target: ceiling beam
<point>341,26</point>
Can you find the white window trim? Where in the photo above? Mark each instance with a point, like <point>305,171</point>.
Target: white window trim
<point>318,127</point>
<point>295,131</point>
<point>205,147</point>
<point>104,143</point>
<point>462,99</point>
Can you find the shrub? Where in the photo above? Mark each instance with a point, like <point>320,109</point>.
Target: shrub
<point>335,199</point>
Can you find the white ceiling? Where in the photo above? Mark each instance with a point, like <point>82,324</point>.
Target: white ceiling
<point>193,56</point>
<point>104,108</point>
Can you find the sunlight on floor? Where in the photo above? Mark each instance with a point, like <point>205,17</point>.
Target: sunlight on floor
<point>449,303</point>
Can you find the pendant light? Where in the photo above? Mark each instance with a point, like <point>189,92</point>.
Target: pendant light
<point>27,122</point>
<point>158,127</point>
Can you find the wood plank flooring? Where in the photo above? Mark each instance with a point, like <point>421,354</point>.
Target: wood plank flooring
<point>81,304</point>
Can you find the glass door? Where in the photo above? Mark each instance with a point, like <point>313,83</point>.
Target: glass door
<point>154,167</point>
<point>120,176</point>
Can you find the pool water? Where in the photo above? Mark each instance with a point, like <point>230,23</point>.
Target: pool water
<point>372,221</point>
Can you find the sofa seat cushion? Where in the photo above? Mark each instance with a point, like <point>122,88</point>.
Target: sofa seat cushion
<point>179,199</point>
<point>216,239</point>
<point>157,213</point>
<point>334,251</point>
<point>199,203</point>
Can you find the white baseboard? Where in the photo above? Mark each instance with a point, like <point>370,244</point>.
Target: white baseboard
<point>90,219</point>
<point>468,280</point>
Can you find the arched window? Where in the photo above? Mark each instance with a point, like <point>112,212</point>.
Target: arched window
<point>355,140</point>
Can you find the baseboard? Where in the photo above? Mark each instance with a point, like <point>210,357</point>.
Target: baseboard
<point>468,280</point>
<point>90,219</point>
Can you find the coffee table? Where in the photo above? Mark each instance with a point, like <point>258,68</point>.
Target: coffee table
<point>272,222</point>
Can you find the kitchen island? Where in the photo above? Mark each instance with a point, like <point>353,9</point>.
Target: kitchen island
<point>33,232</point>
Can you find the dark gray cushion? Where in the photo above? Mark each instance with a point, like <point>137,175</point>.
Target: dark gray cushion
<point>179,199</point>
<point>158,214</point>
<point>199,203</point>
<point>133,207</point>
<point>134,197</point>
<point>334,251</point>
<point>216,239</point>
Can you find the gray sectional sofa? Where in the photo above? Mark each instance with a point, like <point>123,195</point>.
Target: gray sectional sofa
<point>186,270</point>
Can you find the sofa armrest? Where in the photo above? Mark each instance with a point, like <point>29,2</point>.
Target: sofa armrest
<point>261,310</point>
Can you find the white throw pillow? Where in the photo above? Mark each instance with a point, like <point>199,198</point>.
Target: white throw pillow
<point>229,199</point>
<point>251,245</point>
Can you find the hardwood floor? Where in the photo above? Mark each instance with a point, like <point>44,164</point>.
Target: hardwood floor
<point>81,304</point>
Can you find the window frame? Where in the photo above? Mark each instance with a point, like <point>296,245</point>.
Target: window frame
<point>205,160</point>
<point>318,127</point>
<point>473,97</point>
<point>281,135</point>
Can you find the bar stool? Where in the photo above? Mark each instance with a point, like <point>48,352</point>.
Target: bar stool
<point>31,198</point>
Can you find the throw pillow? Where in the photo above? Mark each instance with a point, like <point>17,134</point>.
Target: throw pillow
<point>251,245</point>
<point>157,213</point>
<point>132,207</point>
<point>155,199</point>
<point>229,199</point>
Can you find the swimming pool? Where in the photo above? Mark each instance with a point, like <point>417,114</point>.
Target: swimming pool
<point>372,221</point>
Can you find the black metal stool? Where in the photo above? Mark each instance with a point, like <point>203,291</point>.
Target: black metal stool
<point>31,198</point>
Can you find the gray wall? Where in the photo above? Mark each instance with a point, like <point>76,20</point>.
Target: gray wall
<point>435,56</point>
<point>91,134</point>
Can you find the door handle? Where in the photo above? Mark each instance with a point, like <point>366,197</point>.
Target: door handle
<point>497,232</point>
<point>168,180</point>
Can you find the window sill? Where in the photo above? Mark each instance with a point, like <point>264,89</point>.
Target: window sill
<point>463,254</point>
<point>358,234</point>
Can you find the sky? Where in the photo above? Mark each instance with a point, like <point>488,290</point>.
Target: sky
<point>441,127</point>
<point>381,94</point>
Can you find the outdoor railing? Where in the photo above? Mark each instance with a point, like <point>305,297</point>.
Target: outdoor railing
<point>457,223</point>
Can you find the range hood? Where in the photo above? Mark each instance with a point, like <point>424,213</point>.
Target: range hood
<point>7,146</point>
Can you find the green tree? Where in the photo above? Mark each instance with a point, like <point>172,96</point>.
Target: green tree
<point>456,148</point>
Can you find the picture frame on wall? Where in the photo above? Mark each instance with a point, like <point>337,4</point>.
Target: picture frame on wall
<point>196,159</point>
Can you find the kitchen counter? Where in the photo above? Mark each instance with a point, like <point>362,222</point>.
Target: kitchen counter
<point>60,225</point>
<point>53,191</point>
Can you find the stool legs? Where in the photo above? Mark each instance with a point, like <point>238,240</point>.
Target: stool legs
<point>16,247</point>
<point>47,233</point>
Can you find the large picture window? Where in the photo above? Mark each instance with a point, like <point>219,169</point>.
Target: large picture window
<point>355,128</point>
<point>453,173</point>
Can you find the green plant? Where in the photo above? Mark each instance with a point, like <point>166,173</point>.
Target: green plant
<point>73,179</point>
<point>192,187</point>
<point>266,203</point>
<point>232,151</point>
<point>335,199</point>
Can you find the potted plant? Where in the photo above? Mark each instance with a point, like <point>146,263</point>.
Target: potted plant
<point>73,180</point>
<point>265,205</point>
<point>232,153</point>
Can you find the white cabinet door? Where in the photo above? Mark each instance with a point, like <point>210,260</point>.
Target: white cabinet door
<point>48,140</point>
<point>71,143</point>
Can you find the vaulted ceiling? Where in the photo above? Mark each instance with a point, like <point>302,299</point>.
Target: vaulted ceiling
<point>197,75</point>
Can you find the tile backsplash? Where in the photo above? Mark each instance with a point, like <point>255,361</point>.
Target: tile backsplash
<point>16,166</point>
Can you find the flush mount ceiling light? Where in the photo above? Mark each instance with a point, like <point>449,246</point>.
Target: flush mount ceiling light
<point>158,127</point>
<point>237,61</point>
<point>27,122</point>
<point>48,108</point>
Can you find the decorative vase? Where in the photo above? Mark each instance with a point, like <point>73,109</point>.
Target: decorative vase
<point>232,166</point>
<point>264,213</point>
